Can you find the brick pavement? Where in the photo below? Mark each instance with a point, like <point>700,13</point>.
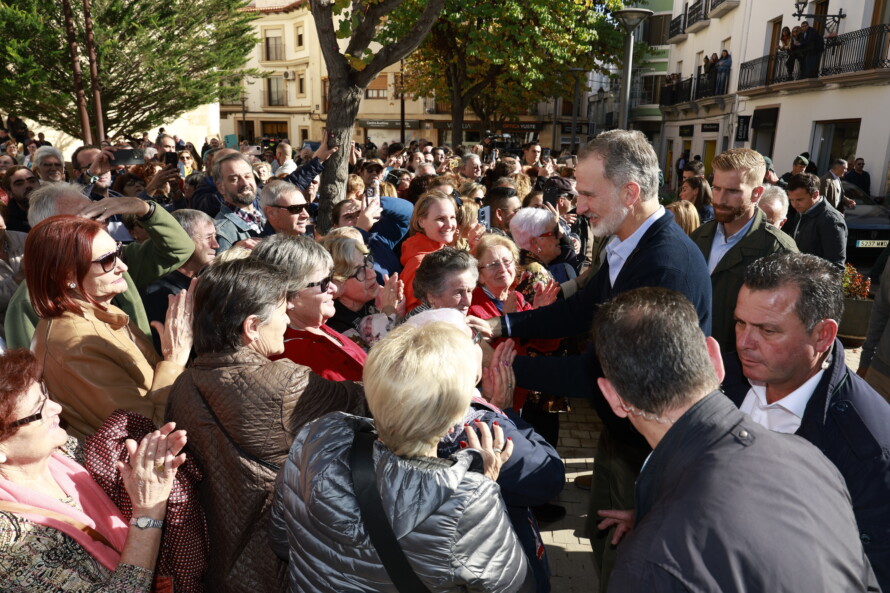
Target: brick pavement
<point>571,559</point>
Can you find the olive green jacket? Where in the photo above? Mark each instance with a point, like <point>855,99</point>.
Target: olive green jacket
<point>727,278</point>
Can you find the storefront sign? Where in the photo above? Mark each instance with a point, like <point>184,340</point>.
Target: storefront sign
<point>687,131</point>
<point>741,131</point>
<point>705,128</point>
<point>388,124</point>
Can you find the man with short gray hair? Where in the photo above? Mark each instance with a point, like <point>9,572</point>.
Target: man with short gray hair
<point>471,167</point>
<point>286,209</point>
<point>831,187</point>
<point>723,503</point>
<point>774,204</point>
<point>617,183</point>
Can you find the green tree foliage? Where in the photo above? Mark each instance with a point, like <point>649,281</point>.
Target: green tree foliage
<point>359,38</point>
<point>501,57</point>
<point>157,59</point>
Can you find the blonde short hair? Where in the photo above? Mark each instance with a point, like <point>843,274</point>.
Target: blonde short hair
<point>685,215</point>
<point>418,383</point>
<point>490,240</point>
<point>342,249</point>
<point>744,160</point>
<point>345,231</point>
<point>354,184</point>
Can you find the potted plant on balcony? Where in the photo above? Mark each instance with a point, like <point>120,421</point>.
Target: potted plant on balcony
<point>857,308</point>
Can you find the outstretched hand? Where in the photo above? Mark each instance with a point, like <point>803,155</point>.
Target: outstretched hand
<point>623,520</point>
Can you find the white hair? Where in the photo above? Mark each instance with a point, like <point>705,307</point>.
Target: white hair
<point>529,223</point>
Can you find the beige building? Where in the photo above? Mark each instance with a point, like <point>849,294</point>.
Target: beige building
<point>292,102</point>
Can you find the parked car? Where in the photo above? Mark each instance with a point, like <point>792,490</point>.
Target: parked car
<point>868,224</point>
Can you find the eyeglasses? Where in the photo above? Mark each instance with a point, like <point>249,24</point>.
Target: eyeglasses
<point>361,272</point>
<point>51,165</point>
<point>33,417</point>
<point>295,209</point>
<point>321,284</point>
<point>108,260</point>
<point>185,157</point>
<point>507,263</point>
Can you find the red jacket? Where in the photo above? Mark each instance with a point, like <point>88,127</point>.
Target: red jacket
<point>413,252</point>
<point>324,357</point>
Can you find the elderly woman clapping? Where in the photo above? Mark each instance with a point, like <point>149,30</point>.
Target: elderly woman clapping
<point>448,513</point>
<point>311,290</point>
<point>544,254</point>
<point>95,359</point>
<point>59,531</point>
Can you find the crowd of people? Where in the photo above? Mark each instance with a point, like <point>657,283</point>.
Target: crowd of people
<point>201,391</point>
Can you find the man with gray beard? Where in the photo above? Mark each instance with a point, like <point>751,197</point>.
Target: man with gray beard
<point>239,219</point>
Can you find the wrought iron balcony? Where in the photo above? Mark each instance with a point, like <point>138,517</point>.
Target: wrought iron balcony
<point>697,17</point>
<point>721,7</point>
<point>852,54</point>
<point>677,31</point>
<point>679,92</point>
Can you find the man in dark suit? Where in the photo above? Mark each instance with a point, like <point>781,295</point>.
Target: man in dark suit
<point>617,185</point>
<point>811,47</point>
<point>722,504</point>
<point>789,375</point>
<point>817,228</point>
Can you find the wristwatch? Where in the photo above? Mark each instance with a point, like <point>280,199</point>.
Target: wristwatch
<point>147,523</point>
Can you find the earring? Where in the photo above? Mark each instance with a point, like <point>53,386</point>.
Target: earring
<point>72,285</point>
<point>2,457</point>
<point>539,250</point>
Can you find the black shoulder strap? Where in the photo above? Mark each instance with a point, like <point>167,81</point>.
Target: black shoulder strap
<point>380,531</point>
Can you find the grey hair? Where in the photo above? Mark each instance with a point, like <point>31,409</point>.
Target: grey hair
<point>469,157</point>
<point>300,256</point>
<point>627,157</point>
<point>188,219</point>
<point>528,223</point>
<point>47,151</point>
<point>218,163</point>
<point>436,268</point>
<point>839,162</point>
<point>776,196</point>
<point>271,194</point>
<point>818,280</point>
<point>42,202</point>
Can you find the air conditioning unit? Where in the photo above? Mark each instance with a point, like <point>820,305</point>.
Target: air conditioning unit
<point>288,75</point>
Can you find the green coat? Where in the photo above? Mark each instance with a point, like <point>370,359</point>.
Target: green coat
<point>167,249</point>
<point>727,278</point>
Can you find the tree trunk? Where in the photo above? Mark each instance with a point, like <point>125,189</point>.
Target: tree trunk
<point>345,101</point>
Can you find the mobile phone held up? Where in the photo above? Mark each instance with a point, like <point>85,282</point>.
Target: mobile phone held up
<point>171,159</point>
<point>128,156</point>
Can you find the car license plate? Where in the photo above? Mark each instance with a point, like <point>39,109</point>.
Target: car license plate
<point>865,243</point>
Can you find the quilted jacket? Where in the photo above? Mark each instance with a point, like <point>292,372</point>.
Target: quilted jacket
<point>256,407</point>
<point>449,519</point>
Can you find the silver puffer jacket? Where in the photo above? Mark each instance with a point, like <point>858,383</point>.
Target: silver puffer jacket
<point>449,518</point>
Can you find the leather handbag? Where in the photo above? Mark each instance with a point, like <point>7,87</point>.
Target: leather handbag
<point>364,484</point>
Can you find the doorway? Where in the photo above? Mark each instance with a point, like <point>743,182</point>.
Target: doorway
<point>834,140</point>
<point>710,151</point>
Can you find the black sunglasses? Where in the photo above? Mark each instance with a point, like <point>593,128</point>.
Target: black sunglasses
<point>361,272</point>
<point>33,417</point>
<point>322,284</point>
<point>108,260</point>
<point>295,209</point>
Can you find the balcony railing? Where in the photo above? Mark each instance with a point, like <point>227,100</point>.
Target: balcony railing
<point>697,18</point>
<point>695,88</point>
<point>721,7</point>
<point>857,51</point>
<point>677,31</point>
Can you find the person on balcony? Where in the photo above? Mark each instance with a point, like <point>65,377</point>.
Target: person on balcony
<point>724,64</point>
<point>811,46</point>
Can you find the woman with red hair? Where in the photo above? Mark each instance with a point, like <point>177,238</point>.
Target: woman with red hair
<point>95,360</point>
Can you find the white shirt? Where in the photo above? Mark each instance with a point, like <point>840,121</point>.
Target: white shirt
<point>784,415</point>
<point>617,251</point>
<point>722,243</point>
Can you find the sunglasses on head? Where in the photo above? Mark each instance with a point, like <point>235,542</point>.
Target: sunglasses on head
<point>322,284</point>
<point>108,260</point>
<point>295,209</point>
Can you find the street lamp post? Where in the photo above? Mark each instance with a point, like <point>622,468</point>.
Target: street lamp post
<point>630,19</point>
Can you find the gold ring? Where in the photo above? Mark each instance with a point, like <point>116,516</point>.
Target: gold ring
<point>159,467</point>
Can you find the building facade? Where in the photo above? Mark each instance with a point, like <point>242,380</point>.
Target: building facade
<point>775,102</point>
